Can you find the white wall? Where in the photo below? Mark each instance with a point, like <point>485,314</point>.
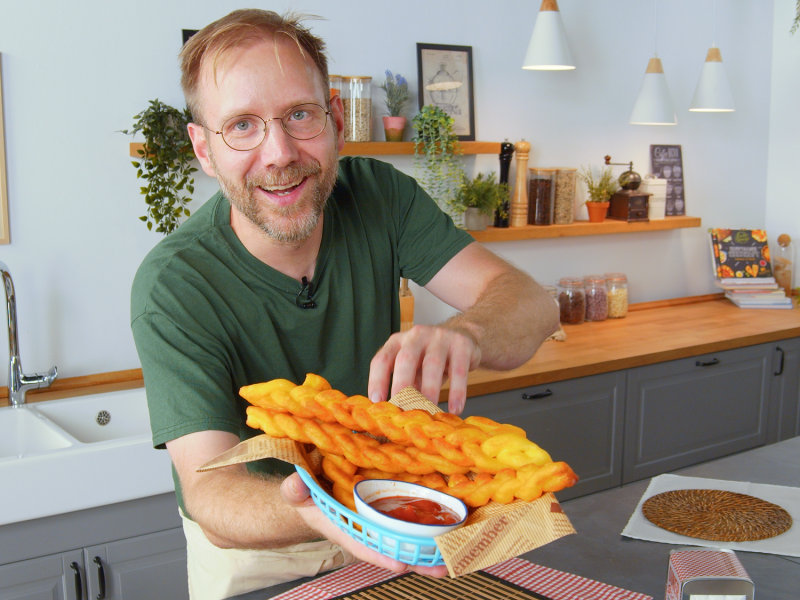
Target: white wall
<point>783,200</point>
<point>75,74</point>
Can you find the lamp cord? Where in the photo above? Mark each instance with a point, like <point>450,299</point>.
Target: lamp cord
<point>655,50</point>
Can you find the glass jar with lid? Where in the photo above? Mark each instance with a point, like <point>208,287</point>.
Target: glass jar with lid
<point>571,300</point>
<point>596,298</point>
<point>541,194</point>
<point>357,99</point>
<point>617,285</point>
<point>564,201</point>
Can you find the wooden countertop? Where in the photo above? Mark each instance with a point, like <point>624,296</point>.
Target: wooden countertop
<point>652,332</point>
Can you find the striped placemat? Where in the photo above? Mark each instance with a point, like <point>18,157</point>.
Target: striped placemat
<point>545,583</point>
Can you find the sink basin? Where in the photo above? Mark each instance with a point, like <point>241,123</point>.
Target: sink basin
<point>58,457</point>
<point>99,418</point>
<point>23,432</point>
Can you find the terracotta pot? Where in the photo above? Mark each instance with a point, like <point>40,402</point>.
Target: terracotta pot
<point>474,220</point>
<point>597,211</point>
<point>394,128</point>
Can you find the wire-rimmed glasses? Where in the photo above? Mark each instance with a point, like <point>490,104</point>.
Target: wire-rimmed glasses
<point>246,132</point>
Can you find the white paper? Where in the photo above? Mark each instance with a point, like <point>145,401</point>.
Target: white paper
<point>788,498</point>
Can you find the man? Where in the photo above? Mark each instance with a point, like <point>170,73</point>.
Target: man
<point>294,268</point>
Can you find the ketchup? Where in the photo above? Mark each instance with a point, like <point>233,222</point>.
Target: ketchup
<point>415,510</point>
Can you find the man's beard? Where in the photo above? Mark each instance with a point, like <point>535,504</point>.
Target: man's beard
<point>287,224</point>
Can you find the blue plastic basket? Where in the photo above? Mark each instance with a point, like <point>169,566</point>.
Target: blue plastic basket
<point>408,549</point>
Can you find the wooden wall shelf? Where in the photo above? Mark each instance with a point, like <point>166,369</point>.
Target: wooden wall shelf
<point>609,226</point>
<point>384,148</point>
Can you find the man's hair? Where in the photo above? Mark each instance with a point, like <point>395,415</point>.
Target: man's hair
<point>239,29</point>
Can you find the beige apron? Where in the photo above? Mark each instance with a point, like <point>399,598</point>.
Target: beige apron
<point>216,573</point>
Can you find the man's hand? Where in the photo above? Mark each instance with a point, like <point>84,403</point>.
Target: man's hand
<point>426,357</point>
<point>296,494</point>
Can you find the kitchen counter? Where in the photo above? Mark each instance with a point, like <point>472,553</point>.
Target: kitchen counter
<point>651,333</point>
<point>598,551</point>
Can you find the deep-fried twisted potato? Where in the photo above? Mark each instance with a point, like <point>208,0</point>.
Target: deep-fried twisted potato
<point>421,447</point>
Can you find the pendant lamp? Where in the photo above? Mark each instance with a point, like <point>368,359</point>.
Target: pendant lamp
<point>654,103</point>
<point>713,93</point>
<point>548,49</point>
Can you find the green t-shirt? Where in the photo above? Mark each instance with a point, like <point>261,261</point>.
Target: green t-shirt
<point>208,317</point>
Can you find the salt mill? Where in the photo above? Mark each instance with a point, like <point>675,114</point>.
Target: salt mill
<point>519,202</point>
<point>506,152</point>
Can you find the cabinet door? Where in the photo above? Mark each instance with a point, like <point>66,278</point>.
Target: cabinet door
<point>687,411</point>
<point>56,577</point>
<point>578,421</point>
<point>784,417</point>
<point>149,566</point>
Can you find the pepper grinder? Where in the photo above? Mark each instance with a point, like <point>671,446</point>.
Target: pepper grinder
<point>519,202</point>
<point>506,151</point>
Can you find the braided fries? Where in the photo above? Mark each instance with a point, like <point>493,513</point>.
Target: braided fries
<point>419,447</point>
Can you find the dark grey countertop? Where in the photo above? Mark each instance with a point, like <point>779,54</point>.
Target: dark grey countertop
<point>599,551</point>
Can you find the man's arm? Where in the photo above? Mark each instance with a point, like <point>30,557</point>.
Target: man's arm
<point>238,510</point>
<point>505,316</point>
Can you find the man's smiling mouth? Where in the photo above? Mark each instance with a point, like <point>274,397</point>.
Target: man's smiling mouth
<point>283,190</point>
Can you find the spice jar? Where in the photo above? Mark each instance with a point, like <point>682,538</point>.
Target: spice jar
<point>596,298</point>
<point>357,99</point>
<point>542,188</point>
<point>571,300</point>
<point>617,285</point>
<point>336,85</point>
<point>564,203</point>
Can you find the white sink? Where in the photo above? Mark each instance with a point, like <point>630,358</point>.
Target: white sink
<point>23,433</point>
<point>57,457</point>
<point>99,418</point>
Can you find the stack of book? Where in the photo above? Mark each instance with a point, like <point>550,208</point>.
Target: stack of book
<point>742,267</point>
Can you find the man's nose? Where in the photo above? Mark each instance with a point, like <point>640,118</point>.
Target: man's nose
<point>278,149</point>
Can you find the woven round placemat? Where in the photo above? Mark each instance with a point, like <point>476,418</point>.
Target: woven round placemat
<point>716,515</point>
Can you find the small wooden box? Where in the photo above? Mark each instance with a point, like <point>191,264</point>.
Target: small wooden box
<point>629,205</point>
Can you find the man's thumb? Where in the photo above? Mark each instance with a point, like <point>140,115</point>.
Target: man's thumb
<point>294,491</point>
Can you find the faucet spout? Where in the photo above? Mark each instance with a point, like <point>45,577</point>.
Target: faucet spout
<point>18,382</point>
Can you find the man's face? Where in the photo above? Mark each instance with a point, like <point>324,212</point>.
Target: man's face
<point>282,185</point>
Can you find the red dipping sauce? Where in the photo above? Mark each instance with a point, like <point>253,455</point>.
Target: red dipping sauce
<point>415,510</point>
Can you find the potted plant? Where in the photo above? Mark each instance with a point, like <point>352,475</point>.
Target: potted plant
<point>396,89</point>
<point>437,166</point>
<point>600,192</point>
<point>166,164</point>
<point>478,199</point>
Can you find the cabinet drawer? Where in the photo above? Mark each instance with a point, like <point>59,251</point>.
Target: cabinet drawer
<point>688,411</point>
<point>578,421</point>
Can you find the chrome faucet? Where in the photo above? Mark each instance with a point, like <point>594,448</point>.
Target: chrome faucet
<point>18,382</point>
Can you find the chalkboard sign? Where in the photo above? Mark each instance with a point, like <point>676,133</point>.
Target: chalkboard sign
<point>666,163</point>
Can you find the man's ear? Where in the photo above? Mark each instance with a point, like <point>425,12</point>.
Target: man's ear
<point>337,110</point>
<point>200,145</point>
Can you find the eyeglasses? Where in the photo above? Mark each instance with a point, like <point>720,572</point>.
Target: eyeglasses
<point>246,132</point>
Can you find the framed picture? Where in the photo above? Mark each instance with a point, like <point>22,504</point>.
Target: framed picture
<point>4,234</point>
<point>445,80</point>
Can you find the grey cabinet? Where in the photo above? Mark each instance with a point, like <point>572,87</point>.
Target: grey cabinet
<point>57,577</point>
<point>578,421</point>
<point>150,566</point>
<point>784,418</point>
<point>691,410</point>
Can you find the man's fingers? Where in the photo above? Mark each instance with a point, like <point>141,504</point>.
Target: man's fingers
<point>295,492</point>
<point>380,370</point>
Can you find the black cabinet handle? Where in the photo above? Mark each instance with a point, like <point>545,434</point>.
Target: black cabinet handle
<point>538,396</point>
<point>780,369</point>
<point>101,578</point>
<point>78,584</point>
<point>713,361</point>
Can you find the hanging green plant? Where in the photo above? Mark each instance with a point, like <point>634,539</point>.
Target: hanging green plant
<point>437,163</point>
<point>166,164</point>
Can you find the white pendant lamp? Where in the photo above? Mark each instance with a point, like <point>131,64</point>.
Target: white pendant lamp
<point>654,103</point>
<point>548,49</point>
<point>713,93</point>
